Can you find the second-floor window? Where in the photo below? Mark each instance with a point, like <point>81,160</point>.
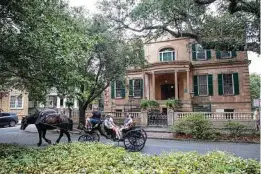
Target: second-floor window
<point>167,54</point>
<point>198,53</point>
<point>226,54</point>
<point>136,87</point>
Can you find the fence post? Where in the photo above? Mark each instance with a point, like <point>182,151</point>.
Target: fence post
<point>144,118</point>
<point>170,117</point>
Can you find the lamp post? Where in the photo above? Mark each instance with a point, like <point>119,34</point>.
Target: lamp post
<point>130,101</point>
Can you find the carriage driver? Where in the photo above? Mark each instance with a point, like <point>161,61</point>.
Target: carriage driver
<point>94,119</point>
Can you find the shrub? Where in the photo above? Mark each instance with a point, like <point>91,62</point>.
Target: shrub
<point>101,158</point>
<point>149,104</point>
<point>235,129</point>
<point>173,104</point>
<point>196,125</point>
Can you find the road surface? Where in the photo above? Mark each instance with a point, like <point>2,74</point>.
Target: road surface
<point>29,137</point>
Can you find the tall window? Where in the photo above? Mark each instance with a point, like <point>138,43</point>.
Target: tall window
<point>167,54</point>
<point>136,87</point>
<point>203,85</point>
<point>200,53</point>
<point>16,102</point>
<point>118,89</point>
<point>228,84</point>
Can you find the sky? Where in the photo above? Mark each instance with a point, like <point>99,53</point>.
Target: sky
<point>254,67</point>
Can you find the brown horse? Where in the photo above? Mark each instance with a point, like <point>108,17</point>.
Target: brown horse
<point>48,120</point>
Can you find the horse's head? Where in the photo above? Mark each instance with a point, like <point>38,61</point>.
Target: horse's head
<point>24,123</point>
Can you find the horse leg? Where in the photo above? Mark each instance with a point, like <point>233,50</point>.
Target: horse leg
<point>40,137</point>
<point>60,136</point>
<point>68,136</point>
<point>44,133</point>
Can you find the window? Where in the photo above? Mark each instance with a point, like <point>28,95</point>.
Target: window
<point>61,102</point>
<point>226,54</point>
<point>118,89</point>
<point>16,102</point>
<point>203,85</point>
<point>228,84</point>
<point>136,87</point>
<point>167,54</point>
<point>200,53</point>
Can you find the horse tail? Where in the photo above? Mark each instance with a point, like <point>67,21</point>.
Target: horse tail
<point>70,124</point>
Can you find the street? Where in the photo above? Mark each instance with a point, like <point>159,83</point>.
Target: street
<point>29,137</point>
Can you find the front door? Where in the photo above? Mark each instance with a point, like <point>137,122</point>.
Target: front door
<point>167,91</point>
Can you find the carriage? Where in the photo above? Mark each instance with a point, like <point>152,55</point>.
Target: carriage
<point>134,138</point>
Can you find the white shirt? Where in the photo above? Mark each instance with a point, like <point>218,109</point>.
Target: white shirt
<point>108,122</point>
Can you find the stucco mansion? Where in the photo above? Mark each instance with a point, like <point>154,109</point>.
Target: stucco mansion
<point>203,80</point>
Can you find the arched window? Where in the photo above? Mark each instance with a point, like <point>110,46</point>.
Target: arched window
<point>167,54</point>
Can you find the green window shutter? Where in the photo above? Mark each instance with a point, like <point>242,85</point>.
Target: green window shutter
<point>220,84</point>
<point>141,84</point>
<point>195,82</point>
<point>194,53</point>
<point>218,54</point>
<point>130,87</point>
<point>233,53</point>
<point>112,89</point>
<point>123,90</point>
<point>236,83</point>
<point>208,54</point>
<point>210,85</point>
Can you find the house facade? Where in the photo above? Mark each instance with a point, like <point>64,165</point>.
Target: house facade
<point>179,68</point>
<point>14,101</point>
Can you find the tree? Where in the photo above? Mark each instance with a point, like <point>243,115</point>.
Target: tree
<point>186,18</point>
<point>254,86</point>
<point>39,39</point>
<point>105,61</point>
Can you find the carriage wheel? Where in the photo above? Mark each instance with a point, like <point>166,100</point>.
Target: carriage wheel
<point>134,141</point>
<point>85,138</point>
<point>95,136</point>
<point>144,133</point>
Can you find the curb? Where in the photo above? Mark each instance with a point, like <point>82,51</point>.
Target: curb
<point>176,139</point>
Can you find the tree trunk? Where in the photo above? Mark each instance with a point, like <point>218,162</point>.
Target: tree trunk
<point>82,115</point>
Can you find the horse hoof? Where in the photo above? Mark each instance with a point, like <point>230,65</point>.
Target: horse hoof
<point>69,141</point>
<point>39,144</point>
<point>49,142</point>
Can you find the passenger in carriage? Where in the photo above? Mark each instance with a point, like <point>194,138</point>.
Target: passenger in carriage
<point>127,124</point>
<point>109,124</point>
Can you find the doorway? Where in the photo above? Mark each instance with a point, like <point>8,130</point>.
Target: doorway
<point>167,91</point>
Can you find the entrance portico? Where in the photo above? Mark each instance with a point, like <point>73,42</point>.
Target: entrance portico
<point>166,84</point>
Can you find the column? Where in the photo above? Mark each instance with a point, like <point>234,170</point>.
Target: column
<point>75,103</point>
<point>58,104</point>
<point>64,102</point>
<point>153,86</point>
<point>144,86</point>
<point>176,85</point>
<point>188,90</point>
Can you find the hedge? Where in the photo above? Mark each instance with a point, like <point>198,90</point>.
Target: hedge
<point>101,158</point>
